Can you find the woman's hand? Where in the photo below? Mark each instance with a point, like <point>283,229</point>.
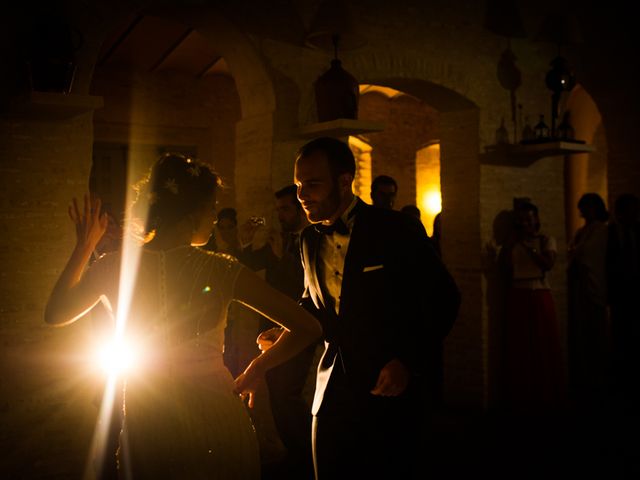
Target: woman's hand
<point>247,383</point>
<point>72,297</point>
<point>90,225</point>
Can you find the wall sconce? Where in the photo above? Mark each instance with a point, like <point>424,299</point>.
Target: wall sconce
<point>337,91</point>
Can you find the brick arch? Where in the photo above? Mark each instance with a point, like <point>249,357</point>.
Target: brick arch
<point>585,119</point>
<point>460,185</point>
<point>254,84</point>
<point>437,96</point>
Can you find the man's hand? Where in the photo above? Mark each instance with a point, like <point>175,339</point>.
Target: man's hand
<point>247,232</point>
<point>392,380</point>
<point>267,338</point>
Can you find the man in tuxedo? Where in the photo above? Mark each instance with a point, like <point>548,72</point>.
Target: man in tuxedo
<point>386,302</point>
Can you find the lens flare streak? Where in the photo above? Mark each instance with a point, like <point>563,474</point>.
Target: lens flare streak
<point>119,357</point>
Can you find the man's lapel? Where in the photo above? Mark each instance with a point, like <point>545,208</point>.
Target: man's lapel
<point>310,252</point>
<point>353,260</point>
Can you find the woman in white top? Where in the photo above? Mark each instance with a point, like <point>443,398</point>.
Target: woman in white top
<point>184,417</point>
<point>533,361</point>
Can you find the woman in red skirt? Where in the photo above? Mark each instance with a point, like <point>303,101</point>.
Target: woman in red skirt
<point>534,370</point>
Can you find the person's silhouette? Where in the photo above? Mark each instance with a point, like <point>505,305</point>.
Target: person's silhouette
<point>384,190</point>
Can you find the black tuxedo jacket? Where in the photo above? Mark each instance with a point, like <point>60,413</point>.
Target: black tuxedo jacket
<point>397,300</point>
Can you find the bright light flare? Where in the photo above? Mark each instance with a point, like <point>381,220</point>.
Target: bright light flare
<point>117,358</point>
<point>432,202</point>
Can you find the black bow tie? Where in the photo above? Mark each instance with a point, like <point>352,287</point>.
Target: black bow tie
<point>338,226</point>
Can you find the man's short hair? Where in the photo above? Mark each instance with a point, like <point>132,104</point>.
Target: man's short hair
<point>383,180</point>
<point>288,190</point>
<point>411,210</point>
<point>338,154</point>
<point>228,213</point>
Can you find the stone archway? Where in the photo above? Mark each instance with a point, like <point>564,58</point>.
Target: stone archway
<point>465,353</point>
<point>583,172</point>
<point>255,130</point>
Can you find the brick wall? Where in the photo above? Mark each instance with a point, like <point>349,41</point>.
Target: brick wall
<point>43,394</point>
<point>170,109</point>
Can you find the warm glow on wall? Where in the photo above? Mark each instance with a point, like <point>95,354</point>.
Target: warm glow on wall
<point>362,182</point>
<point>431,202</point>
<point>428,197</point>
<point>386,91</point>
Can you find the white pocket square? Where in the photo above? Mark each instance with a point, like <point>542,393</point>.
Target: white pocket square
<point>372,268</point>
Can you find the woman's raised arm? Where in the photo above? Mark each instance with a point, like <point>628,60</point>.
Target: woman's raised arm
<point>72,296</point>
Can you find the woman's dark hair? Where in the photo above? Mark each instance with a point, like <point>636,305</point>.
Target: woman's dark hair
<point>175,187</point>
<point>526,206</point>
<point>597,203</point>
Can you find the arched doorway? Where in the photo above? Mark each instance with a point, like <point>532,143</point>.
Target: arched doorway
<point>457,127</point>
<point>585,172</point>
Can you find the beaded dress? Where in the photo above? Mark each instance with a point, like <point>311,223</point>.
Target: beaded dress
<point>182,419</point>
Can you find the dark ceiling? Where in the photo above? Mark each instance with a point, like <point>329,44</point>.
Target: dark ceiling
<point>152,44</point>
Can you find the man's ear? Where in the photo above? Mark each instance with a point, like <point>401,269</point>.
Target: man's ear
<point>345,180</point>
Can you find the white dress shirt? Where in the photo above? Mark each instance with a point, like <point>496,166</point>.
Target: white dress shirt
<point>333,251</point>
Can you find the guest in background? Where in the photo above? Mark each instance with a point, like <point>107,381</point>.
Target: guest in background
<point>225,238</point>
<point>588,317</point>
<point>411,210</point>
<point>242,322</point>
<point>384,190</point>
<point>278,254</point>
<point>436,236</point>
<point>534,379</point>
<point>623,287</point>
<point>498,275</point>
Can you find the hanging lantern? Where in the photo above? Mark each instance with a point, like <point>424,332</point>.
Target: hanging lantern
<point>337,91</point>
